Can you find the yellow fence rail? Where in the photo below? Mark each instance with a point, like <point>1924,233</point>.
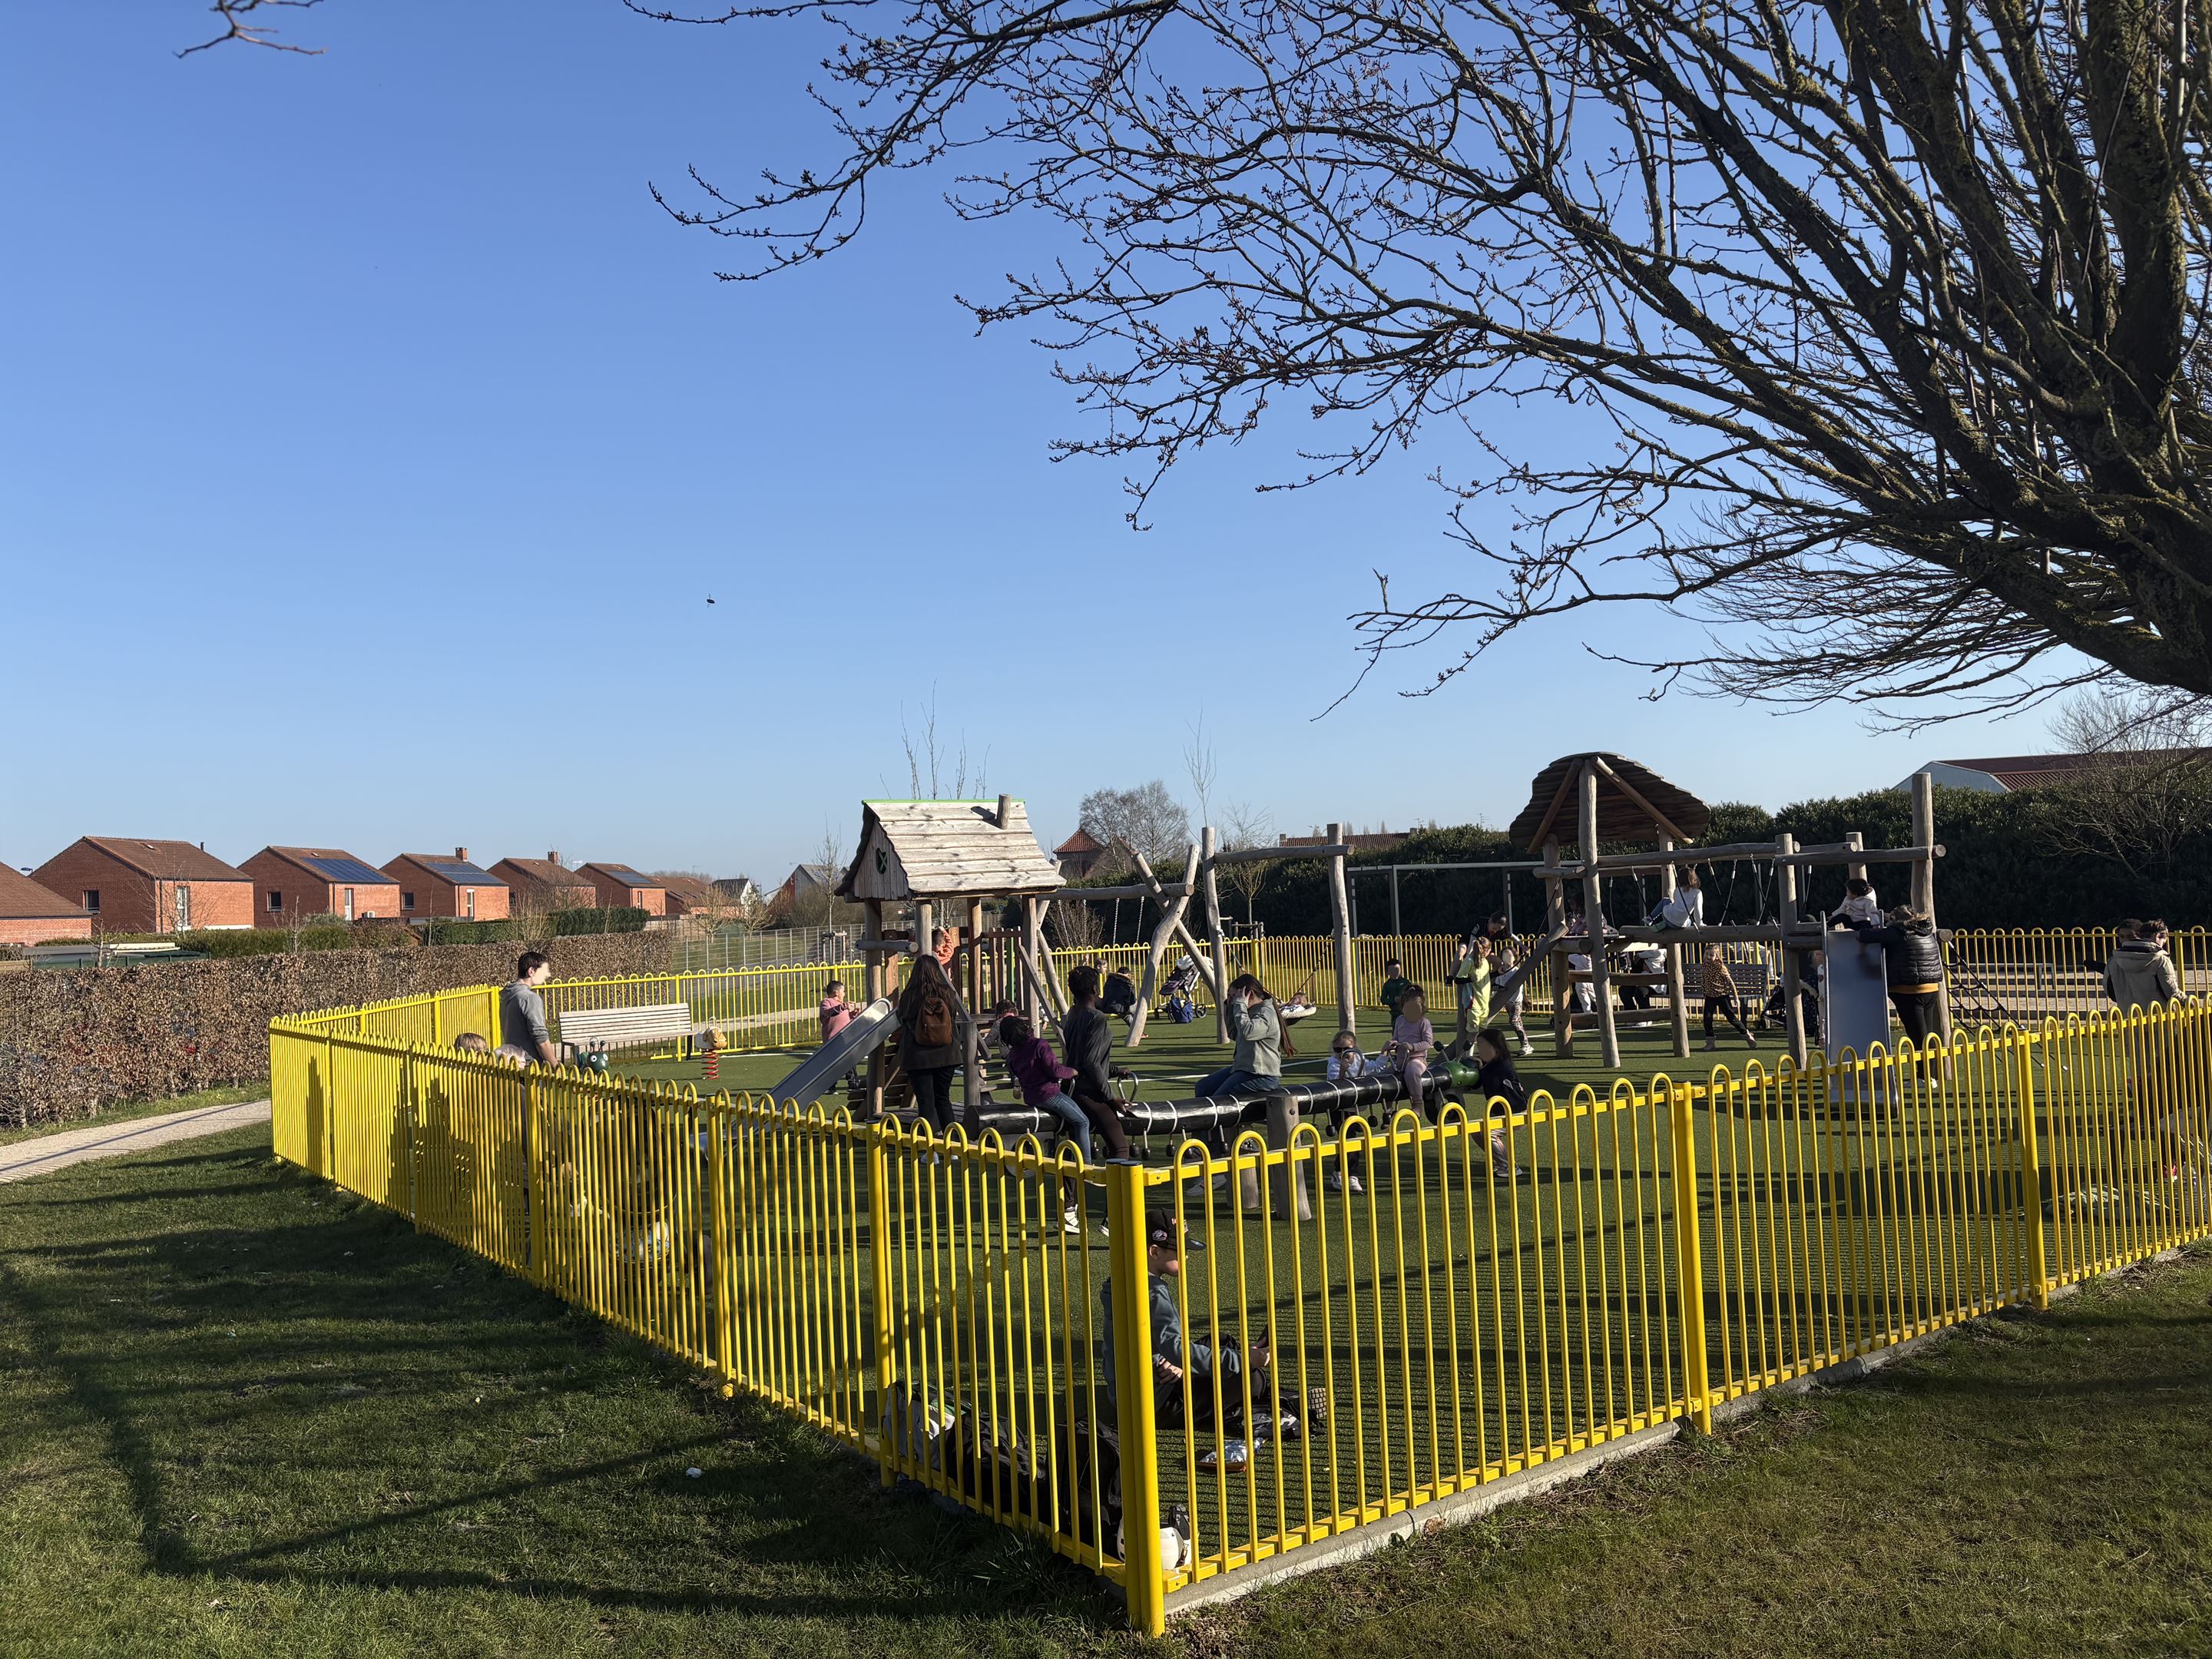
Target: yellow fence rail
<point>1356,1325</point>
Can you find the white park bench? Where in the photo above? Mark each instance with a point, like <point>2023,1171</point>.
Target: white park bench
<point>628,1028</point>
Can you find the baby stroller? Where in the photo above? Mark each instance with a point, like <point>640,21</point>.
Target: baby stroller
<point>1179,995</point>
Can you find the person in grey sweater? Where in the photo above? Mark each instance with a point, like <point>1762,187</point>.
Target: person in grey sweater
<point>1257,1026</point>
<point>522,1030</point>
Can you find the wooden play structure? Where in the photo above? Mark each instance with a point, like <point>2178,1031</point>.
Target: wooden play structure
<point>1201,877</point>
<point>1593,800</point>
<point>948,859</point>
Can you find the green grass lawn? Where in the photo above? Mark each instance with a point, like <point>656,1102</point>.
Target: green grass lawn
<point>248,1414</point>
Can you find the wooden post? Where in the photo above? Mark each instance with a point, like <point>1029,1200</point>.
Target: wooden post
<point>1678,986</point>
<point>1555,918</point>
<point>876,985</point>
<point>1208,844</point>
<point>1593,918</point>
<point>1347,1001</point>
<point>971,1079</point>
<point>1923,885</point>
<point>1793,1011</point>
<point>1032,940</point>
<point>1857,842</point>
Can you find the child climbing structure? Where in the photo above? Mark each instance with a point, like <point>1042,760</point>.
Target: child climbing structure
<point>1595,800</point>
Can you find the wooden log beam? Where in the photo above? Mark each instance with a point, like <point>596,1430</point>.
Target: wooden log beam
<point>1678,1001</point>
<point>1594,914</point>
<point>1171,919</point>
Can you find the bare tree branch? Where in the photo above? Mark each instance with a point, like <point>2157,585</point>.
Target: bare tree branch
<point>238,25</point>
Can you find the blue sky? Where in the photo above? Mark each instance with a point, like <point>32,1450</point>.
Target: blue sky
<point>370,443</point>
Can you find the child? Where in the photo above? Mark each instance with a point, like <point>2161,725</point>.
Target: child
<point>1346,1065</point>
<point>1686,907</point>
<point>1397,987</point>
<point>472,1042</point>
<point>1508,958</point>
<point>1032,1062</point>
<point>1412,1036</point>
<point>1503,1093</point>
<point>1859,905</point>
<point>1721,996</point>
<point>834,1013</point>
<point>1471,983</point>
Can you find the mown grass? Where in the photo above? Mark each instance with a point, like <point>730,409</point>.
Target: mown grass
<point>250,1414</point>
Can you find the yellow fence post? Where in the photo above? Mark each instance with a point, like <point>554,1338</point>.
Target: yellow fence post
<point>1129,1264</point>
<point>2031,1170</point>
<point>726,1346</point>
<point>879,1270</point>
<point>1689,1255</point>
<point>537,1191</point>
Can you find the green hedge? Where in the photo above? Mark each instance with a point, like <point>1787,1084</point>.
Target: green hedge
<point>621,919</point>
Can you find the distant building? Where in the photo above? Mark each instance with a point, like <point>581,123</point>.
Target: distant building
<point>1999,775</point>
<point>32,915</point>
<point>131,886</point>
<point>432,885</point>
<point>1078,855</point>
<point>292,883</point>
<point>540,886</point>
<point>805,881</point>
<point>737,891</point>
<point>620,887</point>
<point>688,895</point>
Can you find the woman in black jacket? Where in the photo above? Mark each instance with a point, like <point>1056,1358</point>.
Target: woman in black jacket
<point>1913,961</point>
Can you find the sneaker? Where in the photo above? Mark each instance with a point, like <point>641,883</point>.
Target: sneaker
<point>1711,1043</point>
<point>1071,1222</point>
<point>1750,1042</point>
<point>1505,1176</point>
<point>1527,1048</point>
<point>1338,1181</point>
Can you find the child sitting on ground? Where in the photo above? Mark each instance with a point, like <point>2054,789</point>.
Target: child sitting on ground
<point>1503,1093</point>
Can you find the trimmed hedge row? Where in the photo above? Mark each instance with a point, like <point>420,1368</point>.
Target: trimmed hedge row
<point>563,924</point>
<point>73,1041</point>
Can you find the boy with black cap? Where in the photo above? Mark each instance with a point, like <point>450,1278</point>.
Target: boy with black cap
<point>1173,1356</point>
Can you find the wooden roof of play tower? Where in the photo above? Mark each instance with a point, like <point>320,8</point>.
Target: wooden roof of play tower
<point>1634,804</point>
<point>933,850</point>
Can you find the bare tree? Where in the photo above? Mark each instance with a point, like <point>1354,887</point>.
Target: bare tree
<point>238,25</point>
<point>930,767</point>
<point>1886,324</point>
<point>2147,792</point>
<point>1197,765</point>
<point>1146,820</point>
<point>1074,926</point>
<point>1247,827</point>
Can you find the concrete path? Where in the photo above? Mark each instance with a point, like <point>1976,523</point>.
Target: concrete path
<point>67,1146</point>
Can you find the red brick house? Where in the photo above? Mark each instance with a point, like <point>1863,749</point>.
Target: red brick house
<point>131,886</point>
<point>293,883</point>
<point>32,915</point>
<point>432,885</point>
<point>1078,855</point>
<point>541,885</point>
<point>688,895</point>
<point>621,887</point>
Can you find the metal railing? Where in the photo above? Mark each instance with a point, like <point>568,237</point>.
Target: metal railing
<point>1388,1316</point>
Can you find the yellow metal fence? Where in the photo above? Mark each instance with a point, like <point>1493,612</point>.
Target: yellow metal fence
<point>1378,1319</point>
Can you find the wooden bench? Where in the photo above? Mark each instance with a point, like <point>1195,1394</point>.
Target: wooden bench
<point>628,1028</point>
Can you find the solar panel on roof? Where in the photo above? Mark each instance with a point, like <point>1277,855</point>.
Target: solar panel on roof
<point>351,869</point>
<point>467,875</point>
<point>627,877</point>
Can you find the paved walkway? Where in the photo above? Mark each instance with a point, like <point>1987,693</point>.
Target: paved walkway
<point>68,1146</point>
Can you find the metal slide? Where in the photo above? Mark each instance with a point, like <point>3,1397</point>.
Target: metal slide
<point>866,1032</point>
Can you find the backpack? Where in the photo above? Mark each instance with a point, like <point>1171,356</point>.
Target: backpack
<point>933,1024</point>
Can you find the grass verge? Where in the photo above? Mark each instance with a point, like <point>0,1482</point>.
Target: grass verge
<point>249,1414</point>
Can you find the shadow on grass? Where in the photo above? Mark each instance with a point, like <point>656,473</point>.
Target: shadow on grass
<point>331,1399</point>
